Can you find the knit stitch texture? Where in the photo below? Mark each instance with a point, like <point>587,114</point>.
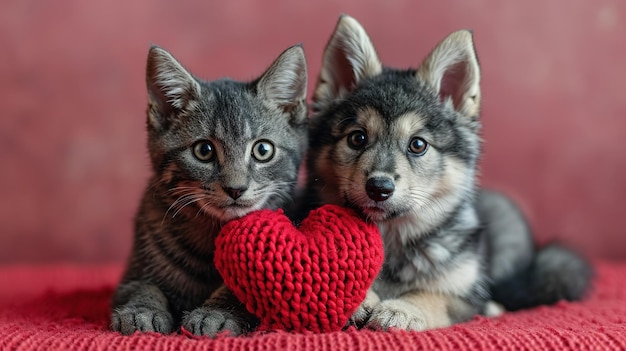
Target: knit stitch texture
<point>310,278</point>
<point>75,316</point>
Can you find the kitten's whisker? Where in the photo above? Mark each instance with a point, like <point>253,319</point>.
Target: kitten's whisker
<point>201,209</point>
<point>185,199</point>
<point>181,199</point>
<point>191,201</point>
<point>279,193</point>
<point>174,205</point>
<point>182,188</point>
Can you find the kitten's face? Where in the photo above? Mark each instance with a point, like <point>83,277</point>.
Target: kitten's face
<point>227,148</point>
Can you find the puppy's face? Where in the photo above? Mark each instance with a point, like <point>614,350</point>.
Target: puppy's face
<point>401,154</point>
<point>392,143</point>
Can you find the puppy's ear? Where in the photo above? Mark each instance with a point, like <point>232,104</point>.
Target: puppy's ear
<point>284,82</point>
<point>453,72</point>
<point>349,57</point>
<point>171,88</point>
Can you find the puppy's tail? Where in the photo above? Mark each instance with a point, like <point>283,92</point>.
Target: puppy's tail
<point>555,273</point>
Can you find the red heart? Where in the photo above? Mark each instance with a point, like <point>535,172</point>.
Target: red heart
<point>310,278</point>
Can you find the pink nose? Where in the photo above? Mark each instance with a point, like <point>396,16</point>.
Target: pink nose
<point>235,193</point>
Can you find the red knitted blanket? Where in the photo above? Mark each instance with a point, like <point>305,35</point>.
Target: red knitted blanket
<point>74,316</point>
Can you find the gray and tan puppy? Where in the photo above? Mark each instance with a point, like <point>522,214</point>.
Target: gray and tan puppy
<point>401,148</point>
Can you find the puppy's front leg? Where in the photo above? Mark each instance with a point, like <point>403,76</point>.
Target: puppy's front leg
<point>362,314</point>
<point>419,311</point>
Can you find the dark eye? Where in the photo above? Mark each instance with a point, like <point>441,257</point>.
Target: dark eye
<point>357,139</point>
<point>418,146</point>
<point>204,151</point>
<point>263,150</point>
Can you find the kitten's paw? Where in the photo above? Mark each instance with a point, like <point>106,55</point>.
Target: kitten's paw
<point>213,321</point>
<point>128,320</point>
<point>397,314</point>
<point>362,314</point>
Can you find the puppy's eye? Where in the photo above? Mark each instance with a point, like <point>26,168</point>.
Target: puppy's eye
<point>263,150</point>
<point>357,139</point>
<point>204,151</point>
<point>418,146</point>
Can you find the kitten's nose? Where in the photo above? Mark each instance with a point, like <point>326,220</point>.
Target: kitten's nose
<point>235,193</point>
<point>379,189</point>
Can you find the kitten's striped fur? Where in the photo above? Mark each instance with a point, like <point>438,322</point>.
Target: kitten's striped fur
<point>219,150</point>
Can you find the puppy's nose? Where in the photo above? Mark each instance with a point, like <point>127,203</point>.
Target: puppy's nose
<point>379,189</point>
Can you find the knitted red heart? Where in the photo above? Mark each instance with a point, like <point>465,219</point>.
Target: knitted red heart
<point>310,278</point>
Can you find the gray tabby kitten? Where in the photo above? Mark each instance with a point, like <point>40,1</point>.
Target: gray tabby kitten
<point>219,150</point>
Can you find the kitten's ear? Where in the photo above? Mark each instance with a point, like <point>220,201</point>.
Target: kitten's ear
<point>349,57</point>
<point>452,70</point>
<point>284,82</point>
<point>171,88</point>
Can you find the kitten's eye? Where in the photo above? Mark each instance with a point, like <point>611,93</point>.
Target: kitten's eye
<point>204,151</point>
<point>357,139</point>
<point>418,146</point>
<point>263,150</point>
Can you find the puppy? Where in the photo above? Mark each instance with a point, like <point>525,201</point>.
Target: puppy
<point>400,146</point>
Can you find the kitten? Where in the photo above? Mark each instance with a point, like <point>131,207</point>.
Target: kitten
<point>219,150</point>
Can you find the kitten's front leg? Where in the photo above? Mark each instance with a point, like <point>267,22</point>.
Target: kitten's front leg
<point>221,313</point>
<point>139,306</point>
<point>420,311</point>
<point>363,312</point>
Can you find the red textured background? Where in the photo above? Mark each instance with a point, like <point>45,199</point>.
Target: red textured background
<point>72,101</point>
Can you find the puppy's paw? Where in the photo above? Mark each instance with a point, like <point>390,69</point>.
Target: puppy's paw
<point>363,312</point>
<point>397,314</point>
<point>213,321</point>
<point>128,320</point>
<point>493,309</point>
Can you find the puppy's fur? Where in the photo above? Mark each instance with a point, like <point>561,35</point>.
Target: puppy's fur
<point>401,148</point>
